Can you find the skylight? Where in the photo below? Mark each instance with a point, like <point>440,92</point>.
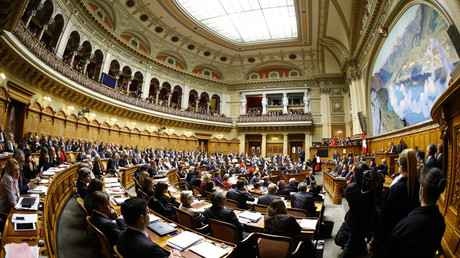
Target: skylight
<point>245,21</point>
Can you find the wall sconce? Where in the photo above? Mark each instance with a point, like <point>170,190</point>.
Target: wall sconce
<point>70,109</point>
<point>219,136</point>
<point>153,128</point>
<point>112,121</point>
<point>92,116</point>
<point>339,132</point>
<point>3,76</point>
<point>132,124</point>
<point>275,138</point>
<point>188,134</point>
<point>46,101</point>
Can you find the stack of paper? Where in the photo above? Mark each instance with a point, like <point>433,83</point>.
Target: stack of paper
<point>110,180</point>
<point>119,199</point>
<point>117,184</point>
<point>22,250</point>
<point>184,241</point>
<point>115,191</point>
<point>308,224</point>
<point>42,189</point>
<point>153,218</point>
<point>251,216</point>
<point>49,173</point>
<point>208,250</point>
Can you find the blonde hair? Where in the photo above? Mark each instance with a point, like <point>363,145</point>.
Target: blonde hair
<point>10,164</point>
<point>408,161</point>
<point>186,197</point>
<point>142,177</point>
<point>206,177</point>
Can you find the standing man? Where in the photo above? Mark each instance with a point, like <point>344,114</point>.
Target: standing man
<point>430,160</point>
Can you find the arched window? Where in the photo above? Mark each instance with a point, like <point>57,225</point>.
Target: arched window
<point>274,75</point>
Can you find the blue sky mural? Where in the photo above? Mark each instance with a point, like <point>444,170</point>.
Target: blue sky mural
<point>412,70</point>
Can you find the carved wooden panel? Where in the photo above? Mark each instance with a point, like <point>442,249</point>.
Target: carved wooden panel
<point>455,200</point>
<point>33,122</point>
<point>58,128</point>
<point>46,125</point>
<point>71,130</point>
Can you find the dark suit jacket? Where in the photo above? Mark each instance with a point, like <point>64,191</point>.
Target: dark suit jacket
<point>266,199</point>
<point>23,181</point>
<point>43,163</point>
<point>112,164</point>
<point>9,146</point>
<point>107,226</point>
<point>359,216</point>
<point>439,161</point>
<point>81,188</point>
<point>97,169</point>
<point>134,244</point>
<point>196,182</point>
<point>430,163</point>
<point>283,192</point>
<point>304,200</point>
<point>392,149</point>
<point>291,187</point>
<point>240,196</point>
<point>310,179</point>
<point>124,162</point>
<point>225,215</point>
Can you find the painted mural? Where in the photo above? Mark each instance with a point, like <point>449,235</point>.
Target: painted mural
<point>412,70</point>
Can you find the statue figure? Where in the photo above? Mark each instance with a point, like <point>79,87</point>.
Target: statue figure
<point>264,105</point>
<point>243,104</point>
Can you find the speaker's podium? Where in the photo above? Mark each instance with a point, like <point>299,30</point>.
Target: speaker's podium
<point>391,161</point>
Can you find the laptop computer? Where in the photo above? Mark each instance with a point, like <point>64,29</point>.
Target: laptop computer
<point>161,228</point>
<point>27,202</point>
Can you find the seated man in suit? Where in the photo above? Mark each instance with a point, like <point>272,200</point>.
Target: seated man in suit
<point>282,188</point>
<point>196,180</point>
<point>439,156</point>
<point>291,186</point>
<point>112,164</point>
<point>218,211</point>
<point>270,196</point>
<point>240,194</point>
<point>303,200</point>
<point>134,242</point>
<point>418,154</point>
<point>430,160</point>
<point>124,162</point>
<point>392,148</point>
<point>310,178</point>
<point>105,218</point>
<point>84,178</point>
<point>190,174</point>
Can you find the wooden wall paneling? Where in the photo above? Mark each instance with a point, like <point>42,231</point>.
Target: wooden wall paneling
<point>125,136</point>
<point>4,100</point>
<point>144,139</point>
<point>104,132</point>
<point>94,130</point>
<point>135,137</point>
<point>235,143</point>
<point>71,128</point>
<point>33,117</point>
<point>115,134</point>
<point>59,124</point>
<point>47,121</point>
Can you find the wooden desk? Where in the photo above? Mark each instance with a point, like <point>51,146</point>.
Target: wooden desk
<point>391,161</point>
<point>356,150</point>
<point>335,186</point>
<point>59,190</point>
<point>161,241</point>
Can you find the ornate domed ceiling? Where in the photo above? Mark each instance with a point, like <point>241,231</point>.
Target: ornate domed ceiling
<point>315,37</point>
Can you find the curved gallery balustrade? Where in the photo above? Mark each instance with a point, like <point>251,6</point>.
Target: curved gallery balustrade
<point>29,41</point>
<point>283,118</point>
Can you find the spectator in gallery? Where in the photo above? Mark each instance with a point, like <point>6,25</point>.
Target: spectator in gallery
<point>431,159</point>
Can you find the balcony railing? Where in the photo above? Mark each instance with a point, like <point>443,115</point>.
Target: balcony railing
<point>268,118</point>
<point>29,41</point>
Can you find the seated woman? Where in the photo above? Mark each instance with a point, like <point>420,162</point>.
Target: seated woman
<point>9,186</point>
<point>44,161</point>
<point>97,167</point>
<point>279,223</point>
<point>84,178</point>
<point>204,179</point>
<point>60,153</point>
<point>161,203</point>
<point>217,178</point>
<point>225,182</point>
<point>30,168</point>
<point>147,186</point>
<point>143,176</point>
<point>182,173</point>
<point>94,185</point>
<point>186,198</point>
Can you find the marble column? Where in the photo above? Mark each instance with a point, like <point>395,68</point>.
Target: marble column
<point>74,53</point>
<point>285,144</point>
<point>45,27</point>
<point>157,97</point>
<point>32,14</point>
<point>242,143</point>
<point>85,66</point>
<point>308,144</point>
<point>264,146</point>
<point>326,112</point>
<point>169,99</point>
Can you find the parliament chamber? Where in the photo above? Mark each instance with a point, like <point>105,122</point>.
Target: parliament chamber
<point>269,128</point>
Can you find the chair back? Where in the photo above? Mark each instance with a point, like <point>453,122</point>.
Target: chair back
<point>223,231</point>
<point>196,192</point>
<point>142,195</point>
<point>81,204</point>
<point>208,195</point>
<point>271,246</point>
<point>181,182</point>
<point>184,218</point>
<point>136,183</point>
<point>74,187</point>
<point>232,203</point>
<point>286,197</point>
<point>115,249</point>
<point>298,213</point>
<point>105,247</point>
<point>260,208</point>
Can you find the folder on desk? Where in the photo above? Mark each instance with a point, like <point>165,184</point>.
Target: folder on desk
<point>184,241</point>
<point>208,250</point>
<point>27,203</point>
<point>161,228</point>
<point>251,216</point>
<point>308,224</point>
